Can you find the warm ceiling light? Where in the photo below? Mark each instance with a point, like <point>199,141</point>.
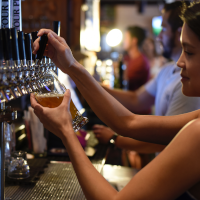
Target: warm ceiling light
<point>114,37</point>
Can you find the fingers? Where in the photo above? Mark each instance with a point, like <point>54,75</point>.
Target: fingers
<point>34,103</point>
<point>38,109</point>
<point>66,99</point>
<point>97,132</point>
<point>97,136</point>
<point>55,42</point>
<point>49,31</point>
<point>36,45</point>
<point>97,126</point>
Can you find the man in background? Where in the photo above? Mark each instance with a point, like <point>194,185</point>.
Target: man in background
<point>137,66</point>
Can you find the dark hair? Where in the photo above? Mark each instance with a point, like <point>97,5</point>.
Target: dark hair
<point>137,32</point>
<point>175,9</point>
<point>191,16</point>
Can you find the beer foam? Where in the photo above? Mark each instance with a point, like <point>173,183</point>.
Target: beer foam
<point>49,95</point>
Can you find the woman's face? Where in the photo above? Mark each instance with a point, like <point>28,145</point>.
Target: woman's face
<point>189,61</point>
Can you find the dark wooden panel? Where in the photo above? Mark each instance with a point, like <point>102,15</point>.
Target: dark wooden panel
<point>41,14</point>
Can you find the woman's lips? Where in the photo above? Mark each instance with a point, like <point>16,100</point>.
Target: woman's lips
<point>184,78</point>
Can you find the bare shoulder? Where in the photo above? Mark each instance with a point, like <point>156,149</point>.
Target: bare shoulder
<point>198,114</point>
<point>193,126</point>
<point>195,122</point>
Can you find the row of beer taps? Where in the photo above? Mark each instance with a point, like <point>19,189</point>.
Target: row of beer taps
<point>20,70</point>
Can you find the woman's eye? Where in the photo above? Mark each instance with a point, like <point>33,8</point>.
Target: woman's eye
<point>188,53</point>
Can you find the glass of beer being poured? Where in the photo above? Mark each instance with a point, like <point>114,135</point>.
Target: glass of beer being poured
<point>50,94</point>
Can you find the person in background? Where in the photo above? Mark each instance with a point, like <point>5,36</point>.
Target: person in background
<point>164,90</point>
<point>156,60</point>
<point>176,169</point>
<point>136,74</point>
<point>137,66</point>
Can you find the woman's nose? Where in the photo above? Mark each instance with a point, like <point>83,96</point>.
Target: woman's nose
<point>180,63</point>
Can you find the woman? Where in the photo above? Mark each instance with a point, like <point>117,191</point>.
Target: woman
<point>177,168</point>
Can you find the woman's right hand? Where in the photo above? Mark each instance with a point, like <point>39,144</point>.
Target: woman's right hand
<point>103,133</point>
<point>57,49</point>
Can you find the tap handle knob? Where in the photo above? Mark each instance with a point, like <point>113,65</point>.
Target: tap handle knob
<point>42,44</point>
<point>21,44</point>
<point>56,27</point>
<point>7,43</point>
<point>15,47</point>
<point>1,45</point>
<point>34,35</point>
<point>28,47</point>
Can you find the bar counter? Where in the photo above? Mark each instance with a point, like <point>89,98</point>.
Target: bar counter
<point>52,177</point>
<point>58,181</point>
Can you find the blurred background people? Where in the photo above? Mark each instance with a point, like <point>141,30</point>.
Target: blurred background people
<point>164,90</point>
<point>137,66</point>
<point>156,60</point>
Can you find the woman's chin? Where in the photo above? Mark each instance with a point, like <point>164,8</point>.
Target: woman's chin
<point>190,93</point>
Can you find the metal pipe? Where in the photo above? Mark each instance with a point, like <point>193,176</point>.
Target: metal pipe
<point>2,168</point>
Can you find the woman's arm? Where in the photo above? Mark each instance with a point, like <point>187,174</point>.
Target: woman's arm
<point>174,171</point>
<point>171,173</point>
<point>136,101</point>
<point>103,134</point>
<point>153,129</point>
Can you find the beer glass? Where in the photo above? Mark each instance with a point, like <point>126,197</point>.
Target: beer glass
<point>50,94</point>
<point>18,168</point>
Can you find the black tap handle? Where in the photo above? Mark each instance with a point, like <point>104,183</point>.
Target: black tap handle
<point>56,27</point>
<point>34,35</point>
<point>28,47</point>
<point>42,44</point>
<point>1,45</point>
<point>15,47</point>
<point>22,54</point>
<point>7,44</point>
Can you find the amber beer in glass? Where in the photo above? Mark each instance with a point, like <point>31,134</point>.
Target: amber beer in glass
<point>54,100</point>
<point>50,94</point>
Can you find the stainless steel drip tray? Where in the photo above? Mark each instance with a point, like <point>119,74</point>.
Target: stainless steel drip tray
<point>59,181</point>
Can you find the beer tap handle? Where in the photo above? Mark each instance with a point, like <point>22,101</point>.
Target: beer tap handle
<point>1,46</point>
<point>42,44</point>
<point>28,47</point>
<point>14,42</point>
<point>56,27</point>
<point>34,35</point>
<point>7,44</point>
<point>21,44</point>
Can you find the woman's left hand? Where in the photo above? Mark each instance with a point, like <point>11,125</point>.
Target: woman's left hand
<point>56,120</point>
